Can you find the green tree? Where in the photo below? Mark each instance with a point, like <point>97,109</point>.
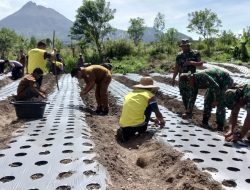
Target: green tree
<point>33,42</point>
<point>159,25</point>
<point>21,43</point>
<point>243,49</point>
<point>92,22</point>
<point>246,32</point>
<point>58,44</point>
<point>170,37</point>
<point>7,40</point>
<point>48,42</point>
<point>227,38</point>
<point>136,29</point>
<point>204,23</point>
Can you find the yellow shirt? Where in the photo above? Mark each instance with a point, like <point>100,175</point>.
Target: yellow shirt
<point>134,106</point>
<point>36,60</point>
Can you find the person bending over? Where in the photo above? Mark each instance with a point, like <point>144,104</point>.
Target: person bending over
<point>99,76</point>
<point>234,100</point>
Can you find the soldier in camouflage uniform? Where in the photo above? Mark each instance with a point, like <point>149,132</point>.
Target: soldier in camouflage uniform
<point>216,82</point>
<point>187,60</point>
<point>234,100</point>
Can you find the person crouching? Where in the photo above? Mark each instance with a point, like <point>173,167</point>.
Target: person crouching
<point>137,108</point>
<point>28,87</point>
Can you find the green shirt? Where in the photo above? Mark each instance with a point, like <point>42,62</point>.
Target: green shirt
<point>182,57</point>
<point>246,96</point>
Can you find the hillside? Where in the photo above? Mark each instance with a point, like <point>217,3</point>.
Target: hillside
<point>39,21</point>
<point>149,35</point>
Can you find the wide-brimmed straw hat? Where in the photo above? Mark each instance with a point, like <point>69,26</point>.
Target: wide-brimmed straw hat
<point>185,42</point>
<point>146,83</point>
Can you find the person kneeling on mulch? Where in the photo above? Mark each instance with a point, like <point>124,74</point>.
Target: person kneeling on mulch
<point>28,87</point>
<point>137,108</point>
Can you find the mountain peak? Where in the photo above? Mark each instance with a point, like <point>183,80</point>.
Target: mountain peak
<point>39,21</point>
<point>29,5</point>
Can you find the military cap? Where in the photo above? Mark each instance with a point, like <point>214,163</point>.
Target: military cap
<point>184,42</point>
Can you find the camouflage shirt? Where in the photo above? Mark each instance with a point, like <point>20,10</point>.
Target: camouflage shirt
<point>181,58</point>
<point>246,96</point>
<point>214,79</point>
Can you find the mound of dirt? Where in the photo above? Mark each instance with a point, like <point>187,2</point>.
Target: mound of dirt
<point>143,162</point>
<point>8,121</point>
<point>5,81</point>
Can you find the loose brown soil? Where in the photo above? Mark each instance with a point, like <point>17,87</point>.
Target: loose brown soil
<point>5,81</point>
<point>9,123</point>
<point>143,162</point>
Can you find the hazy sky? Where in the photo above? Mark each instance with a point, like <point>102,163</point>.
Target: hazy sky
<point>234,14</point>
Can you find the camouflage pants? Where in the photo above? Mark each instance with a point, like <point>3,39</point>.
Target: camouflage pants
<point>188,96</point>
<point>220,111</point>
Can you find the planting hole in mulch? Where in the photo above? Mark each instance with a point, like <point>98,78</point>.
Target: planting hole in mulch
<point>64,175</point>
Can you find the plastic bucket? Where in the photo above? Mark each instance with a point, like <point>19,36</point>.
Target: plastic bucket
<point>29,109</point>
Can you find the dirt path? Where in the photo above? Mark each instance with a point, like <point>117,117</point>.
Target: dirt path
<point>9,123</point>
<point>142,163</point>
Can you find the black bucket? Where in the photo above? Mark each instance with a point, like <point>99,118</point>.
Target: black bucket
<point>29,109</point>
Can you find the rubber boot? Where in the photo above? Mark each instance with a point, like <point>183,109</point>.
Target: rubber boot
<point>104,111</point>
<point>205,123</point>
<point>98,110</point>
<point>220,127</point>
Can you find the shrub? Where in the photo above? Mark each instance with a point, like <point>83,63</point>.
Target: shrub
<point>118,49</point>
<point>70,63</point>
<point>92,57</point>
<point>129,65</point>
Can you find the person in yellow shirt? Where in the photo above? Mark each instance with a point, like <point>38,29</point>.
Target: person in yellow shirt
<point>37,58</point>
<point>137,108</point>
<point>99,76</point>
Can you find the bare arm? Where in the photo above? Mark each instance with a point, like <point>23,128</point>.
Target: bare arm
<point>38,92</point>
<point>159,118</point>
<point>238,136</point>
<point>233,122</point>
<point>88,87</point>
<point>233,117</point>
<point>195,63</point>
<point>176,71</point>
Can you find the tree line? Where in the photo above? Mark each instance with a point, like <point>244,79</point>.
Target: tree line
<point>91,28</point>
